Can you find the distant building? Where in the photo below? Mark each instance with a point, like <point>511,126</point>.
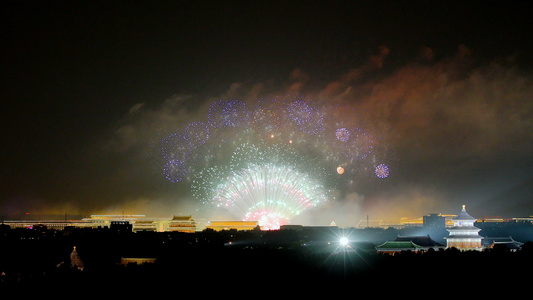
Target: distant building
<point>523,220</point>
<point>425,242</point>
<point>137,260</point>
<point>464,235</point>
<point>182,224</point>
<point>144,225</point>
<point>507,243</point>
<point>409,243</point>
<point>400,224</point>
<point>227,225</point>
<point>107,220</point>
<point>135,223</point>
<point>393,247</point>
<point>121,226</point>
<point>48,224</point>
<point>292,227</point>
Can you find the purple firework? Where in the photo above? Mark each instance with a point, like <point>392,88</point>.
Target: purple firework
<point>382,171</point>
<point>196,134</point>
<point>173,145</point>
<point>228,113</point>
<point>307,118</point>
<point>175,170</point>
<point>342,134</point>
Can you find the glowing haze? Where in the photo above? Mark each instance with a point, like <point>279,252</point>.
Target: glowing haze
<point>396,145</point>
<point>379,108</point>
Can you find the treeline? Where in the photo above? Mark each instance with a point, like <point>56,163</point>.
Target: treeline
<point>234,259</point>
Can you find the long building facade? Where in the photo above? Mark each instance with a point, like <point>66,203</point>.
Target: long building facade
<point>137,223</point>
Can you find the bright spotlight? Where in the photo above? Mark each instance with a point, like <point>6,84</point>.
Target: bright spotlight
<point>343,241</point>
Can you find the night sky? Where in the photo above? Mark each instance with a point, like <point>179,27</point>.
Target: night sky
<point>88,87</point>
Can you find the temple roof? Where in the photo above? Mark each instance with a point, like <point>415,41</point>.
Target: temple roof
<point>398,245</point>
<point>424,241</point>
<point>508,241</point>
<point>463,215</point>
<point>182,218</point>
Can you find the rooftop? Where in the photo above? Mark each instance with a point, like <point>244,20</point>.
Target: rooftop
<point>424,241</point>
<point>182,218</point>
<point>398,245</point>
<point>463,215</point>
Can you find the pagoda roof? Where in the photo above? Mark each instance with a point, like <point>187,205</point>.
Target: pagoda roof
<point>463,215</point>
<point>464,228</point>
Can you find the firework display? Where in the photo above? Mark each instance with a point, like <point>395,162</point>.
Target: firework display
<point>196,134</point>
<point>382,171</point>
<point>342,134</point>
<point>267,184</point>
<point>272,159</point>
<point>228,113</point>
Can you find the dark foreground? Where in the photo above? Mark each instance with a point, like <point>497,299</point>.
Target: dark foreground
<point>207,264</point>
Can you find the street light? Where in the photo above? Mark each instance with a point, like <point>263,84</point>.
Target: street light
<point>343,241</point>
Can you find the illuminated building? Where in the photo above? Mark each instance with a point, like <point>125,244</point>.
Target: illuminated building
<point>402,223</point>
<point>137,260</point>
<point>405,222</point>
<point>144,225</point>
<point>182,224</point>
<point>464,235</point>
<point>48,224</point>
<point>449,219</point>
<point>135,223</point>
<point>106,220</point>
<point>227,225</point>
<point>524,220</point>
<point>493,219</point>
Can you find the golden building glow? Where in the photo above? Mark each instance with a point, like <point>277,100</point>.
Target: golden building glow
<point>227,225</point>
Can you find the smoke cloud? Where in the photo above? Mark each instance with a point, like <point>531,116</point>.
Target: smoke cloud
<point>451,122</point>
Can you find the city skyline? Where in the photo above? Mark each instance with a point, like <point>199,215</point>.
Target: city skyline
<point>92,220</point>
<point>435,97</point>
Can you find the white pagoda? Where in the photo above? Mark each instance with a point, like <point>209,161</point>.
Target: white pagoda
<point>464,235</point>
